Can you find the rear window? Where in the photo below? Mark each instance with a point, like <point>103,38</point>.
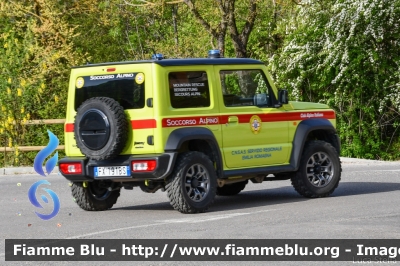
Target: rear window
<point>127,89</point>
<point>189,89</point>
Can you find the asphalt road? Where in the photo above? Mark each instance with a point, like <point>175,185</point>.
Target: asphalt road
<point>365,205</point>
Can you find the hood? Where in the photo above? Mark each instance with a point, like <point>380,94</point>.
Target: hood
<point>307,105</point>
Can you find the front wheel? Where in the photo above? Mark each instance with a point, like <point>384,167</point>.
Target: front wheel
<point>193,183</point>
<point>319,171</point>
<point>94,196</point>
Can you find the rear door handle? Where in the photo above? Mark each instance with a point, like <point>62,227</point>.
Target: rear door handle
<point>233,119</point>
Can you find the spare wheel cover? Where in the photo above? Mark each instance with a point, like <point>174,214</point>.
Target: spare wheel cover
<point>94,129</point>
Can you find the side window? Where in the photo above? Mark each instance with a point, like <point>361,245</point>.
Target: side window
<point>189,89</point>
<point>245,88</point>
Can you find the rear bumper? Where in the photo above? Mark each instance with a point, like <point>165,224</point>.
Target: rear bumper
<point>164,167</point>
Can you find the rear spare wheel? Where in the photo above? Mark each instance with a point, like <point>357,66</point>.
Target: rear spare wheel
<point>101,128</point>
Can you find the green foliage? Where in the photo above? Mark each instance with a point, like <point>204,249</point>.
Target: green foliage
<point>345,53</point>
<point>232,84</point>
<point>270,28</point>
<point>37,50</point>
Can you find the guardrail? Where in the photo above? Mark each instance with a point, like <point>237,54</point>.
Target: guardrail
<point>36,148</point>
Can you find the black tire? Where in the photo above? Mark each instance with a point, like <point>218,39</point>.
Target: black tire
<point>231,189</point>
<point>94,197</point>
<point>101,128</point>
<point>193,183</point>
<point>319,172</point>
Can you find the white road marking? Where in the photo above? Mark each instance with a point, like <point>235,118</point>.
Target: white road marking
<point>115,230</point>
<point>195,219</point>
<point>369,171</point>
<point>204,219</point>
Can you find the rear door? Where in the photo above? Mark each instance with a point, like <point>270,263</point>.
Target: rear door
<point>130,85</point>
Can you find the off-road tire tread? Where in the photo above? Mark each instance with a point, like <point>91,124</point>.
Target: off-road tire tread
<point>87,203</point>
<point>297,180</point>
<point>173,186</point>
<point>119,131</point>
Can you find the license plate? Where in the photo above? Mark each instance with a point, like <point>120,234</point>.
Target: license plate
<point>112,171</point>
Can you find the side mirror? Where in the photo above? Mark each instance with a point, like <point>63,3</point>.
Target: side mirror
<point>283,98</point>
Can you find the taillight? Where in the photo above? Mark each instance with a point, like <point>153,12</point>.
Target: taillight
<point>70,168</point>
<point>144,166</point>
<point>111,69</point>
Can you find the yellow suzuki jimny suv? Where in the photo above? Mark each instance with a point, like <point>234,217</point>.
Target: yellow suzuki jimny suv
<point>195,128</point>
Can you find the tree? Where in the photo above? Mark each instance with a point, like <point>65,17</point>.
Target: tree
<point>35,59</point>
<point>217,18</point>
<point>345,53</point>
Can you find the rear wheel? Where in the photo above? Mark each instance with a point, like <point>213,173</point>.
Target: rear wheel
<point>95,196</point>
<point>319,172</point>
<point>193,183</point>
<point>231,189</point>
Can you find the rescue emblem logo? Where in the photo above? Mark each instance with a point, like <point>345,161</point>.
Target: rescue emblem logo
<point>79,82</point>
<point>139,78</point>
<point>255,124</point>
